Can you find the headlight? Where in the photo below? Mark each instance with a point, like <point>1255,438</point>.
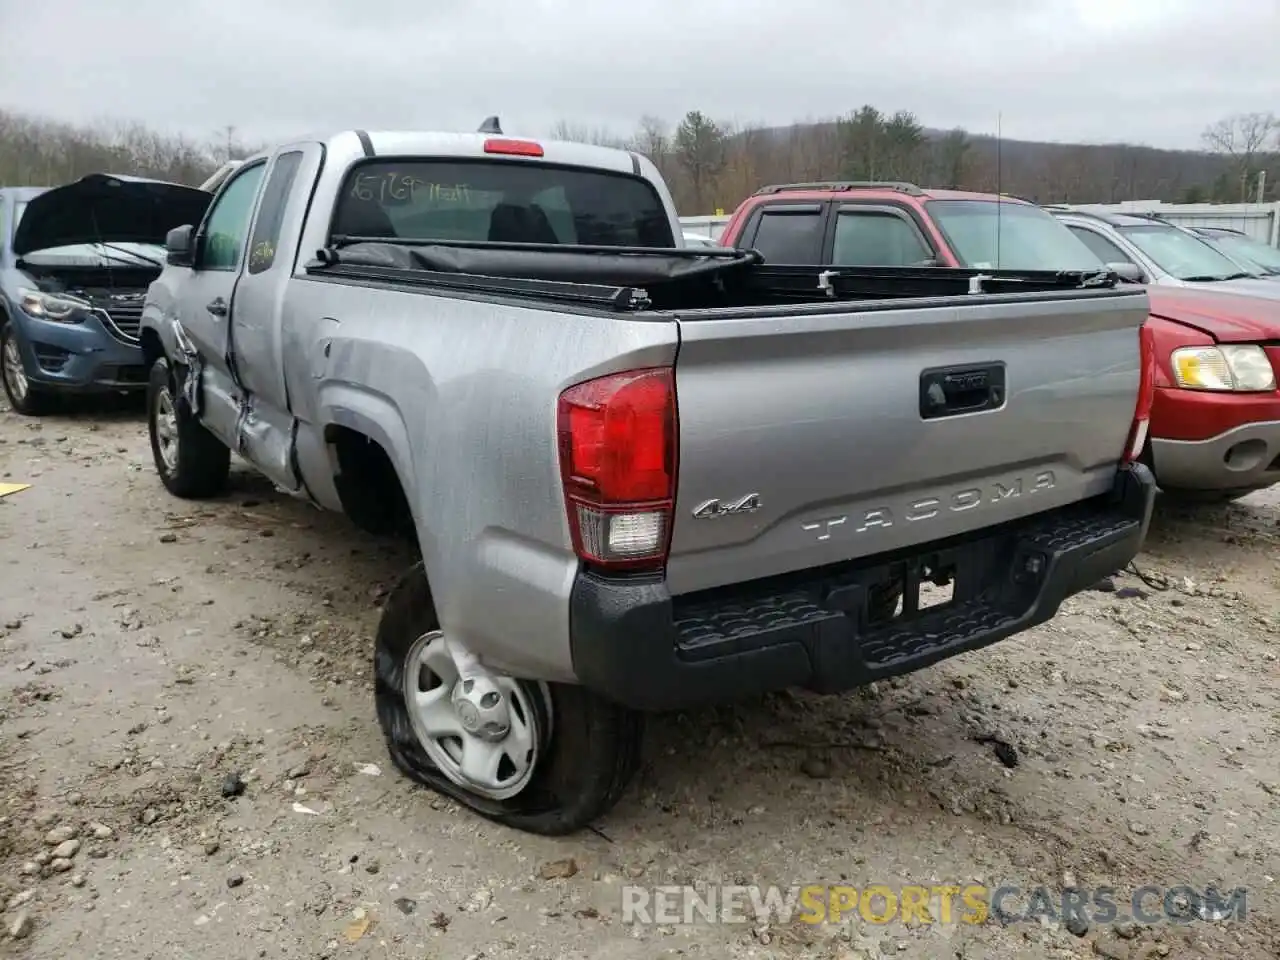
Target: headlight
<point>52,306</point>
<point>1239,368</point>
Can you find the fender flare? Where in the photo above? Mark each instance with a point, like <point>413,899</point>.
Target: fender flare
<point>375,416</point>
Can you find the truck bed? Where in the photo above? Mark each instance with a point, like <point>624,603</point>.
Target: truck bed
<point>831,415</point>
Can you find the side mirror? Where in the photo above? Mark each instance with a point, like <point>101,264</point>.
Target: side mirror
<point>1128,272</point>
<point>179,246</point>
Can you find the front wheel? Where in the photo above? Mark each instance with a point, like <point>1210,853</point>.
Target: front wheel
<point>192,462</point>
<point>24,397</point>
<point>543,758</point>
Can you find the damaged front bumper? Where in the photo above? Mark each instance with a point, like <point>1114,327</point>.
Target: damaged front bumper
<point>79,358</point>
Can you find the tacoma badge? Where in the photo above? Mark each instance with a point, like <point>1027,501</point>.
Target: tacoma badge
<point>714,508</point>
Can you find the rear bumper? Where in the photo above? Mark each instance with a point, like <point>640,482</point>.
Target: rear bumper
<point>78,357</point>
<point>1244,457</point>
<point>634,643</point>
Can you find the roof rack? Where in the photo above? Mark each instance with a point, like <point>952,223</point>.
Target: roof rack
<point>841,185</point>
<point>1112,217</point>
<point>1091,214</point>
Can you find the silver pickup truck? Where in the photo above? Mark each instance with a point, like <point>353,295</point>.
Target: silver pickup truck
<point>640,477</point>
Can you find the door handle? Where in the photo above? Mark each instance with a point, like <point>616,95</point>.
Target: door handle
<point>218,308</point>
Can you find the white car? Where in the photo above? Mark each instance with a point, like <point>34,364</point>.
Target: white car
<point>699,240</point>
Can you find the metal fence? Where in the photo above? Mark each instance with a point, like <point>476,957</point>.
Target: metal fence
<point>1259,220</point>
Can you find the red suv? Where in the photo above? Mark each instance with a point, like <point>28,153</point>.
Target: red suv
<point>901,225</point>
<point>1215,427</point>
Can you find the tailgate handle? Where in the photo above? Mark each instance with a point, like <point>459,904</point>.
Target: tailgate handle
<point>950,391</point>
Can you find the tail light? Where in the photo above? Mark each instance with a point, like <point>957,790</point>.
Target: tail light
<point>1146,396</point>
<point>618,466</point>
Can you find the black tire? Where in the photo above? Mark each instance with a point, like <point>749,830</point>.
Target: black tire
<point>199,467</point>
<point>31,402</point>
<point>592,754</point>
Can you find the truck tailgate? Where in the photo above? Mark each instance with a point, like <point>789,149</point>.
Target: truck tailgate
<point>809,438</point>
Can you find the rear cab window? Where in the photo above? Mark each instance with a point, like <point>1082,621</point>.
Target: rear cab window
<point>499,201</point>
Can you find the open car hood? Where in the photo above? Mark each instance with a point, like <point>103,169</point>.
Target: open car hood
<point>103,208</point>
<point>1228,317</point>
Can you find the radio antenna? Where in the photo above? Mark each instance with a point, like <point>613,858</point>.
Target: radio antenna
<point>999,189</point>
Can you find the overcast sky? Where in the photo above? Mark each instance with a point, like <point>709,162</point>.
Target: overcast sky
<point>1150,71</point>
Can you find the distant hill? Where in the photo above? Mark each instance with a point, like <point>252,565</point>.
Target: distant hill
<point>1059,172</point>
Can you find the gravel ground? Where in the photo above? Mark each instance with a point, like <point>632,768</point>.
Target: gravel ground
<point>156,655</point>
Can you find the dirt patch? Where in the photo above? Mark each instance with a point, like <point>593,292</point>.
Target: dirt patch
<point>195,709</point>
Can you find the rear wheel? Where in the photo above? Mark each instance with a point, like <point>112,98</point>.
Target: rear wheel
<point>544,758</point>
<point>24,397</point>
<point>192,462</point>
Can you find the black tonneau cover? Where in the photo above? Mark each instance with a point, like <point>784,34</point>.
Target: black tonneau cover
<point>639,278</point>
<point>589,265</point>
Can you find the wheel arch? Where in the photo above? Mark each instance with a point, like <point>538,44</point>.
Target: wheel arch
<point>152,346</point>
<point>371,461</point>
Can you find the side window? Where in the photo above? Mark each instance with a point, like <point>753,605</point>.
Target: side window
<point>1103,249</point>
<point>790,234</point>
<point>867,238</point>
<point>266,231</point>
<point>227,226</point>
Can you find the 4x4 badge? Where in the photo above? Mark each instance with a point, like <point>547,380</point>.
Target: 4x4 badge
<point>715,508</point>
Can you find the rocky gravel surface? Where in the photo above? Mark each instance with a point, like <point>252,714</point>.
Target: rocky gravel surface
<point>190,765</point>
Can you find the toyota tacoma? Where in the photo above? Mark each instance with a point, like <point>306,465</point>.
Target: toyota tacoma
<point>640,476</point>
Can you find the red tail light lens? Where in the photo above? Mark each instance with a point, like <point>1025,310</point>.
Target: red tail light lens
<point>1146,396</point>
<point>515,148</point>
<point>618,466</point>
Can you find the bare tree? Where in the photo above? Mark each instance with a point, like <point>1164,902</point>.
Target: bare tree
<point>39,152</point>
<point>579,133</point>
<point>1242,137</point>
